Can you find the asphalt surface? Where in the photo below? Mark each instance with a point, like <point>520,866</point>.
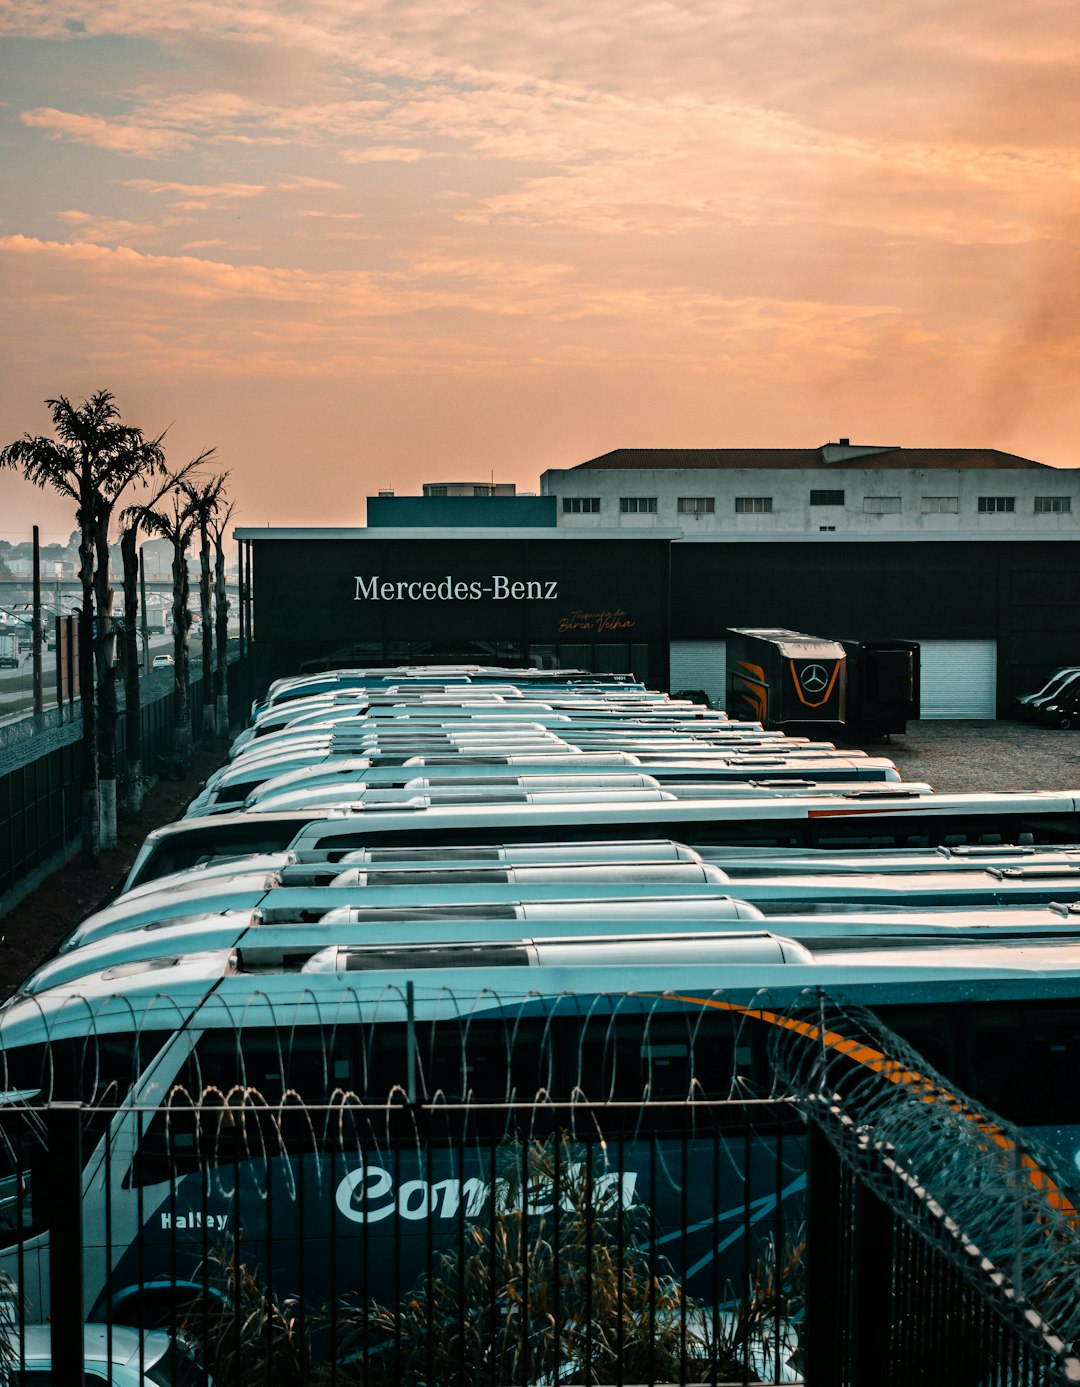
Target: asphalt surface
<point>17,685</point>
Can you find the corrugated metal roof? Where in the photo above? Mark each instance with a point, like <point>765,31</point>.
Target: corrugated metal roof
<point>890,459</point>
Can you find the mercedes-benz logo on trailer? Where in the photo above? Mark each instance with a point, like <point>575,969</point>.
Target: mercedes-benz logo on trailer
<point>813,678</point>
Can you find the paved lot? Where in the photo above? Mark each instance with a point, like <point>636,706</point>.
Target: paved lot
<point>985,755</point>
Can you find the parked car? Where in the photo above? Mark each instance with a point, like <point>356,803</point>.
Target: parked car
<point>1062,711</point>
<point>114,1357</point>
<point>1028,705</point>
<point>162,662</point>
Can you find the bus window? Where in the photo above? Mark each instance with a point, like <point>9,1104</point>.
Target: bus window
<point>931,1034</point>
<point>671,1054</point>
<point>494,1059</point>
<point>995,1077</point>
<point>1040,1090</point>
<point>234,1099</point>
<point>89,1069</point>
<point>22,1154</point>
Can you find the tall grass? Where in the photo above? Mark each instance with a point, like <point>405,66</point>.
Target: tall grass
<point>556,1281</point>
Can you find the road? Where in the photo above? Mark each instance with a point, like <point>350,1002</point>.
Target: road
<point>17,686</point>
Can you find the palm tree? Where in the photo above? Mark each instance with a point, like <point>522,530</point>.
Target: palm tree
<point>144,463</point>
<point>132,522</point>
<point>206,499</point>
<point>92,456</point>
<point>218,526</point>
<point>176,521</point>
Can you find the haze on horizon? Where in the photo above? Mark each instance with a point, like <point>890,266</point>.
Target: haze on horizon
<point>358,244</point>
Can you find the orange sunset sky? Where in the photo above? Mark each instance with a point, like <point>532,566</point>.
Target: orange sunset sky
<point>368,243</point>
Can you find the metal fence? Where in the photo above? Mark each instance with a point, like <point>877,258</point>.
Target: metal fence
<point>408,1244</point>
<point>40,799</point>
<point>860,1223</point>
<point>944,1242</point>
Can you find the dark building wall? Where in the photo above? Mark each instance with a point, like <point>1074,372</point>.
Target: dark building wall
<point>945,591</point>
<point>315,596</point>
<point>1025,596</point>
<point>644,592</point>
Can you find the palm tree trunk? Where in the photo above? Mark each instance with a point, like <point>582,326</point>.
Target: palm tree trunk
<point>108,708</point>
<point>88,759</point>
<point>209,719</point>
<point>182,739</point>
<point>134,787</point>
<point>221,612</point>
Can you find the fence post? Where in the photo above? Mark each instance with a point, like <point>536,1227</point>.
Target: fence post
<point>35,647</point>
<point>64,1166</point>
<point>827,1274</point>
<point>872,1281</point>
<point>58,627</point>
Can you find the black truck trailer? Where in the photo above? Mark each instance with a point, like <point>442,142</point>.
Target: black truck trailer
<point>786,679</point>
<point>882,685</point>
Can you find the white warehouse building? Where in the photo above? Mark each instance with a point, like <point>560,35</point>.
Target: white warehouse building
<point>840,488</point>
<point>973,552</point>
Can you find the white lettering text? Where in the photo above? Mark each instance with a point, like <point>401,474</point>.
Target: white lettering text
<point>448,589</point>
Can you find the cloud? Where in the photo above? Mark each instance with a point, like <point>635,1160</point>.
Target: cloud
<point>818,199</point>
<point>318,215</point>
<point>146,141</point>
<point>177,312</point>
<point>387,154</point>
<point>298,183</point>
<point>196,197</point>
<point>87,226</point>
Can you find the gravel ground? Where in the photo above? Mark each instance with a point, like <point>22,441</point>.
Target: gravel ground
<point>984,755</point>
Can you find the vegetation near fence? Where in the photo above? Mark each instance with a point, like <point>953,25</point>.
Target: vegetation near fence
<point>553,1282</point>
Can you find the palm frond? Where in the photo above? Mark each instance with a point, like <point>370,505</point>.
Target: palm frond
<point>43,463</point>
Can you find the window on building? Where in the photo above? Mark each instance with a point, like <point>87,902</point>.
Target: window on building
<point>826,498</point>
<point>753,505</point>
<point>997,505</point>
<point>940,505</point>
<point>436,489</point>
<point>881,505</point>
<point>637,505</point>
<point>580,505</point>
<point>827,529</point>
<point>696,505</point>
<point>1053,505</point>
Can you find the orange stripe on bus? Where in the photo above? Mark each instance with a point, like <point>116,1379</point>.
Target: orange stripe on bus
<point>879,1063</point>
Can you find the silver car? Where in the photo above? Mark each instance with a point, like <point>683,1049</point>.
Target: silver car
<point>126,1358</point>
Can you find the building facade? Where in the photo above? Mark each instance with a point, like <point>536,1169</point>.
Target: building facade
<point>643,581</point>
<point>839,488</point>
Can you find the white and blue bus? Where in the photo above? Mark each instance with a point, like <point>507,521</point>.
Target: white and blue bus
<point>339,1116</point>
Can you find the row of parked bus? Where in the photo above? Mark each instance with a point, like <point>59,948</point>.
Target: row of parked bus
<point>415,899</point>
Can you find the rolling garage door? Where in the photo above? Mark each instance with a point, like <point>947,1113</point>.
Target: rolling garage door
<point>699,665</point>
<point>959,679</point>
